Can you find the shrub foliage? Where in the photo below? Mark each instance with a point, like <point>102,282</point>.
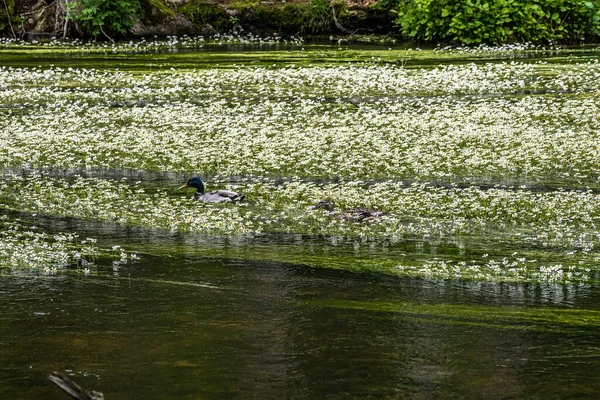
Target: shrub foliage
<point>500,21</point>
<point>108,17</point>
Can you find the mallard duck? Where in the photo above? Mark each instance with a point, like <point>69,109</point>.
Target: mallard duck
<point>216,196</point>
<point>357,214</point>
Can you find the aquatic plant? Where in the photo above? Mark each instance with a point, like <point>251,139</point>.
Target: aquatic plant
<point>317,121</point>
<point>517,269</point>
<point>24,247</point>
<point>449,152</point>
<point>564,221</point>
<point>143,44</point>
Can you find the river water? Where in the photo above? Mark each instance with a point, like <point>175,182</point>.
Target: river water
<point>190,326</point>
<point>214,317</point>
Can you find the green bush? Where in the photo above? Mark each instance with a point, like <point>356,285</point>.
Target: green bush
<point>499,21</point>
<point>108,17</point>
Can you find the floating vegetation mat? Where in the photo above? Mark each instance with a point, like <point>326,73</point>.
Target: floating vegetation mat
<point>24,247</point>
<point>506,151</point>
<point>144,45</point>
<point>361,122</point>
<point>565,222</point>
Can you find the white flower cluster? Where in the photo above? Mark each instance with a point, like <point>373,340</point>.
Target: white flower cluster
<point>566,219</point>
<point>449,151</point>
<point>507,270</point>
<point>514,49</point>
<point>22,247</point>
<point>143,44</point>
<point>316,121</point>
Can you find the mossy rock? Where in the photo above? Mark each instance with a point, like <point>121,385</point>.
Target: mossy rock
<point>287,19</point>
<point>269,19</point>
<point>202,13</point>
<point>367,20</point>
<point>155,11</point>
<point>313,17</point>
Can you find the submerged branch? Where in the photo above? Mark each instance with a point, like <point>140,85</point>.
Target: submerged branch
<point>73,389</point>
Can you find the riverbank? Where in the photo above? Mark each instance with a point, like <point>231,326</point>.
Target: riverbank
<point>454,22</point>
<point>39,19</point>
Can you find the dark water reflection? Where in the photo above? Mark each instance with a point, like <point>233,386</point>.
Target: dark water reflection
<point>218,328</point>
<point>231,55</point>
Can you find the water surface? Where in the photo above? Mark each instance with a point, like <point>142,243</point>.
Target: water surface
<point>288,315</point>
<point>194,326</point>
<point>221,328</point>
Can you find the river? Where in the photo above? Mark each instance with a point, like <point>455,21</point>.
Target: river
<point>287,315</point>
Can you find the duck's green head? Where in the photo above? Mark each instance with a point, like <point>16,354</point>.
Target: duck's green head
<point>195,182</point>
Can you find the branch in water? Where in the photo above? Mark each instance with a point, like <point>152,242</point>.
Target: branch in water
<point>73,389</point>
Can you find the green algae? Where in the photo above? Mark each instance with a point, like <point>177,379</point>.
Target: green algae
<point>229,54</point>
<point>546,319</point>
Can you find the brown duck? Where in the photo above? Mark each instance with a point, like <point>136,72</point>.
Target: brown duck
<point>358,214</point>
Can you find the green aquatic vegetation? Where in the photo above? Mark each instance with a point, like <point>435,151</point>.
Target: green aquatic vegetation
<point>328,122</point>
<point>556,215</point>
<point>448,151</point>
<point>24,247</point>
<point>491,233</point>
<point>514,269</point>
<point>374,257</point>
<point>567,221</point>
<point>546,319</point>
<point>12,47</point>
<point>229,51</point>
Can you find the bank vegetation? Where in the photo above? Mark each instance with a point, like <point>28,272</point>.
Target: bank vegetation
<point>422,21</point>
